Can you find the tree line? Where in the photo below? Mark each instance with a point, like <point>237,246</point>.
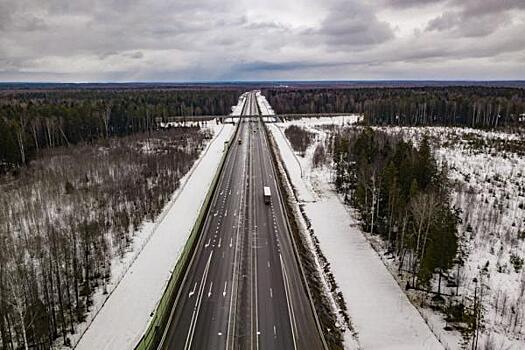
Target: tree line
<point>34,120</point>
<point>474,106</point>
<point>65,218</point>
<point>402,195</point>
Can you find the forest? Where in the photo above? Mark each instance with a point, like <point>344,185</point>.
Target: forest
<point>38,119</point>
<point>64,219</point>
<point>473,106</point>
<point>401,194</point>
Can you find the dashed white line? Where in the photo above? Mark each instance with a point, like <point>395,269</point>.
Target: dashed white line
<point>291,313</point>
<point>192,291</point>
<point>196,308</point>
<point>209,291</point>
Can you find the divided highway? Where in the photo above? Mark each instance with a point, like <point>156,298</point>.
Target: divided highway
<point>243,288</point>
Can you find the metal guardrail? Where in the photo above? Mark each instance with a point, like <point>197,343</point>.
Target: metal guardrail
<point>152,336</point>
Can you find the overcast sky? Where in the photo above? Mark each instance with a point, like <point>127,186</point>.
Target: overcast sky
<point>209,40</point>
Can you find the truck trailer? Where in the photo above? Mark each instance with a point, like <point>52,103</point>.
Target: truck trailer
<point>267,195</point>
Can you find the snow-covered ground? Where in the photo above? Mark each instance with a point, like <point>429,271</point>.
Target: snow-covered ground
<point>118,320</point>
<point>488,170</point>
<point>380,313</point>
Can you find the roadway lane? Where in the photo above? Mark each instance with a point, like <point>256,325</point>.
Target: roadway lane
<point>281,287</point>
<point>243,288</point>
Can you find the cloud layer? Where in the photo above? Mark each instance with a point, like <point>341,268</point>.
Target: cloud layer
<point>207,40</point>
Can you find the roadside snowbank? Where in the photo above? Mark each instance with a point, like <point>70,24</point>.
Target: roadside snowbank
<point>340,120</point>
<point>120,318</point>
<point>379,310</point>
<point>381,313</point>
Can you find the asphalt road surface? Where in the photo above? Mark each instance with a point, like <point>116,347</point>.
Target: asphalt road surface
<point>243,288</point>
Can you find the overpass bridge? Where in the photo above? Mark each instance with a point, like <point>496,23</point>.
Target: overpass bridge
<point>224,118</point>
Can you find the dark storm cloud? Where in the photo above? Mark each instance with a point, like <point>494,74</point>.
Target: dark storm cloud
<point>474,18</point>
<point>469,26</point>
<point>352,23</point>
<point>480,7</point>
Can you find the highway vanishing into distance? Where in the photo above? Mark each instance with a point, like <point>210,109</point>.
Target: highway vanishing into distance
<point>243,288</point>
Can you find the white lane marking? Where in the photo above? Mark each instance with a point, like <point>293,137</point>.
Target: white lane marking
<point>268,263</point>
<point>274,331</point>
<point>209,291</point>
<point>207,244</point>
<point>222,181</point>
<point>220,240</point>
<point>231,242</point>
<point>271,292</point>
<point>252,220</point>
<point>196,308</point>
<point>192,291</point>
<point>226,212</point>
<point>291,313</point>
<point>224,291</point>
<point>233,289</point>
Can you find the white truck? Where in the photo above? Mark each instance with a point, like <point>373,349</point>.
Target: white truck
<point>267,195</point>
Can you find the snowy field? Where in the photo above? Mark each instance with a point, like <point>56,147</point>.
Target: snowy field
<point>118,319</point>
<point>488,170</point>
<point>380,312</point>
